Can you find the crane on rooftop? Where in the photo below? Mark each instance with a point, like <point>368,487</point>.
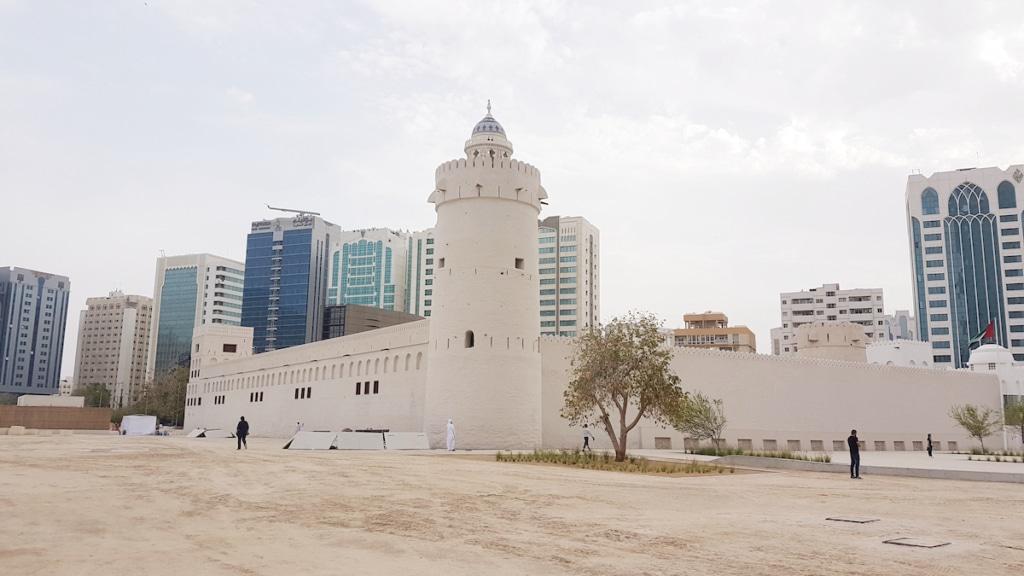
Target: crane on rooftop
<point>299,212</point>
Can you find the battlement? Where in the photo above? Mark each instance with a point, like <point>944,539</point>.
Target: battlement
<point>508,164</point>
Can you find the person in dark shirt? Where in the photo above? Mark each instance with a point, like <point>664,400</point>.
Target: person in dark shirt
<point>929,445</point>
<point>854,445</point>
<point>241,431</point>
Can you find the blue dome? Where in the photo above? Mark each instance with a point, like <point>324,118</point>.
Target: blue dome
<point>488,125</point>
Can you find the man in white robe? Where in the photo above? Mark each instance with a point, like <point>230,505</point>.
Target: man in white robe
<point>450,436</point>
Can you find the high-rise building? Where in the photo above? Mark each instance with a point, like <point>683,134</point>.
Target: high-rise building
<point>419,275</point>
<point>712,330</point>
<point>286,272</point>
<point>368,268</point>
<point>190,291</point>
<point>828,303</point>
<point>113,345</point>
<point>965,246</point>
<point>347,319</point>
<point>33,316</point>
<point>902,326</point>
<point>567,262</point>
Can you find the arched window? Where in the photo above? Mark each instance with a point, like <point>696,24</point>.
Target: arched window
<point>469,340</point>
<point>387,362</point>
<point>376,366</point>
<point>407,357</point>
<point>419,359</point>
<point>1007,195</point>
<point>929,201</point>
<point>968,198</point>
<point>359,368</point>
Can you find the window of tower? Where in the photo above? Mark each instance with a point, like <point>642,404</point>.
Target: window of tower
<point>520,264</point>
<point>440,262</point>
<point>469,341</point>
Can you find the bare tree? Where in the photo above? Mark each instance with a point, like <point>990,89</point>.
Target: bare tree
<point>701,417</point>
<point>978,421</point>
<point>620,374</point>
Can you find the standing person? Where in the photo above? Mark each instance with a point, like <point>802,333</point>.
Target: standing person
<point>241,431</point>
<point>450,436</point>
<point>929,445</point>
<point>298,427</point>
<point>854,445</point>
<point>587,437</point>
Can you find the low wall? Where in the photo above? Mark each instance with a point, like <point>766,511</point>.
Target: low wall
<point>935,474</point>
<point>55,418</point>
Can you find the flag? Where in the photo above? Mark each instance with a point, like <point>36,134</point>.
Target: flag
<point>989,334</point>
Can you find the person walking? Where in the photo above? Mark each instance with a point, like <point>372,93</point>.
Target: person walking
<point>241,431</point>
<point>587,437</point>
<point>929,445</point>
<point>854,445</point>
<point>450,436</point>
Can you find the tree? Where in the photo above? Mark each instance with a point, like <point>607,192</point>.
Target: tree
<point>96,395</point>
<point>978,421</point>
<point>620,374</point>
<point>701,417</point>
<point>1014,411</point>
<point>163,398</point>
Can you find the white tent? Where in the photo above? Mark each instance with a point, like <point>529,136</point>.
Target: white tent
<point>138,425</point>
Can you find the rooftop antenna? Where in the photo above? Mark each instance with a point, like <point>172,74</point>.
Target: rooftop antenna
<point>299,212</point>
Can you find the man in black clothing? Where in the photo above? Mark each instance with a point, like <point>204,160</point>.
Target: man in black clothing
<point>854,445</point>
<point>241,431</point>
<point>929,445</point>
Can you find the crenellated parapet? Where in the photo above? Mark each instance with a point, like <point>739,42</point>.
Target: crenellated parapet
<point>503,178</point>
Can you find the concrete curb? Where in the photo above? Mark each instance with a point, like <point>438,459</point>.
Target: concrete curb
<point>802,465</point>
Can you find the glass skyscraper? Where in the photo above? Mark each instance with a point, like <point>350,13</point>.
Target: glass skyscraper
<point>965,242</point>
<point>369,269</point>
<point>33,317</point>
<point>286,271</point>
<point>189,291</point>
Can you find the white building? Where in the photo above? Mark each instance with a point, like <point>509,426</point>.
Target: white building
<point>480,360</point>
<point>906,353</point>
<point>190,291</point>
<point>965,245</point>
<point>568,260</point>
<point>568,265</point>
<point>113,345</point>
<point>829,303</point>
<point>368,267</point>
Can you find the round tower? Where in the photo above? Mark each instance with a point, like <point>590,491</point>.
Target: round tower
<point>483,358</point>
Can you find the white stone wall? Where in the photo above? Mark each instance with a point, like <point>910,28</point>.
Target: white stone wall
<point>906,353</point>
<point>782,399</point>
<point>393,357</point>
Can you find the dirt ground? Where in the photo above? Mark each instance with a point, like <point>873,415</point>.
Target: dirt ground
<point>84,505</point>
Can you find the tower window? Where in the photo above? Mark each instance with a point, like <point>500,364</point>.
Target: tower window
<point>440,262</point>
<point>469,339</point>
<point>519,264</point>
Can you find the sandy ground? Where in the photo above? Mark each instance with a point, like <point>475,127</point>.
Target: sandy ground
<point>84,505</point>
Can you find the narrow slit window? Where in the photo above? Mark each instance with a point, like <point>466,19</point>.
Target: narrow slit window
<point>520,265</point>
<point>376,386</point>
<point>359,388</point>
<point>470,340</point>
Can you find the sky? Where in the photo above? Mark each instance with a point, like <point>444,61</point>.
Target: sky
<point>727,151</point>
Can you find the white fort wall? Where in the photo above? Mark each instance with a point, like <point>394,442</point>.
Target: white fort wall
<point>393,357</point>
<point>783,399</point>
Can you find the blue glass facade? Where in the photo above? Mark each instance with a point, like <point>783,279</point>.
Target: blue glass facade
<point>178,297</point>
<point>285,287</point>
<point>974,269</point>
<point>922,314</point>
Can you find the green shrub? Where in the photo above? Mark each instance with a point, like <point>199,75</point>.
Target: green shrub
<point>603,461</point>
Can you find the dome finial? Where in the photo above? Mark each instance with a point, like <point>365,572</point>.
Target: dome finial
<point>488,106</point>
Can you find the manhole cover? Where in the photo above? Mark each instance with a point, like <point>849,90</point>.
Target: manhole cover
<point>916,542</point>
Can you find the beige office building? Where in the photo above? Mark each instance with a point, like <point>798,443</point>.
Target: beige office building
<point>829,303</point>
<point>113,345</point>
<point>712,330</point>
